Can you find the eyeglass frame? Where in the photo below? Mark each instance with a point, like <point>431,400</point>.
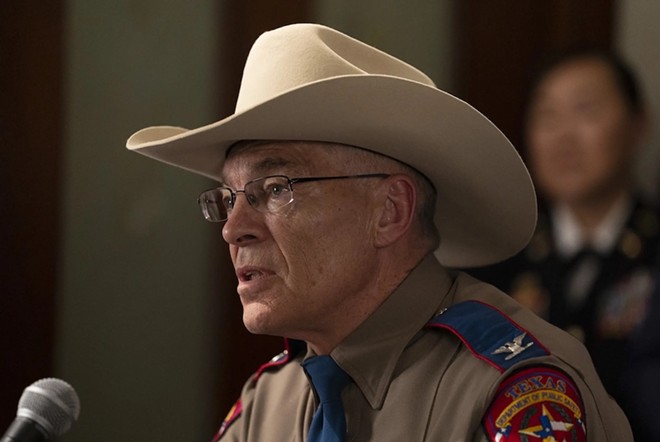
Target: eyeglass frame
<point>290,182</point>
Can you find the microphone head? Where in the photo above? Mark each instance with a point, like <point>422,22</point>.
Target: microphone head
<point>52,403</point>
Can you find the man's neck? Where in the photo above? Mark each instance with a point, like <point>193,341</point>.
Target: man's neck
<point>386,279</point>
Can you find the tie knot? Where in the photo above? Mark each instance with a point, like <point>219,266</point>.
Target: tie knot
<point>327,377</point>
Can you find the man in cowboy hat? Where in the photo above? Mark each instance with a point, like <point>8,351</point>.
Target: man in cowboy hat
<point>348,185</point>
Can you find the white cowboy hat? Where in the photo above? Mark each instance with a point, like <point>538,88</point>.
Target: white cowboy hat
<point>310,82</point>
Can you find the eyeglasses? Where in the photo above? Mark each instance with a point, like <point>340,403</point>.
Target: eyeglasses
<point>267,195</point>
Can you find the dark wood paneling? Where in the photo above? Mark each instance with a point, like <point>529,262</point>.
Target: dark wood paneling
<point>30,144</point>
<point>499,43</point>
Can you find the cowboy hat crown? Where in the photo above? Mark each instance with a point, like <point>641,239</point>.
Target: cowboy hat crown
<point>308,82</point>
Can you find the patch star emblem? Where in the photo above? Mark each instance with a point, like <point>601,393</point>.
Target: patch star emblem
<point>515,348</point>
<point>546,431</point>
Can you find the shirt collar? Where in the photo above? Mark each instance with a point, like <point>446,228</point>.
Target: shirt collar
<point>569,235</point>
<point>386,333</point>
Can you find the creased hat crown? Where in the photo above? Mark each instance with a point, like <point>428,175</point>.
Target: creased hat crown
<point>280,61</point>
<point>307,82</point>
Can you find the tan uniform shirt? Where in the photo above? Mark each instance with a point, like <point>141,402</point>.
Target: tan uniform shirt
<point>413,383</point>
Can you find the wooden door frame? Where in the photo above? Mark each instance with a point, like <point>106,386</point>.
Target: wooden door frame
<point>498,44</point>
<point>31,128</point>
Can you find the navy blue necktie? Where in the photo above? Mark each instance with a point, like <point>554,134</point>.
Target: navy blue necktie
<point>329,422</point>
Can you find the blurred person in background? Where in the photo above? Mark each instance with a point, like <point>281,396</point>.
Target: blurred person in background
<point>641,383</point>
<point>589,267</point>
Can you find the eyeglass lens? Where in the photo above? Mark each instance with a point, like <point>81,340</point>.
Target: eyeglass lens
<point>267,194</point>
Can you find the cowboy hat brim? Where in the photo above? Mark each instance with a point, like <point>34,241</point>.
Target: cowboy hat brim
<point>486,208</point>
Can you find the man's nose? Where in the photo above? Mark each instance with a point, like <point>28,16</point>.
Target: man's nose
<point>242,223</point>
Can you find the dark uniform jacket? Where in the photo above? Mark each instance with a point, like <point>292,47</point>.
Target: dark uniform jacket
<point>444,358</point>
<point>615,307</point>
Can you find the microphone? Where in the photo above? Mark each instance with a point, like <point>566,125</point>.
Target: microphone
<point>46,410</point>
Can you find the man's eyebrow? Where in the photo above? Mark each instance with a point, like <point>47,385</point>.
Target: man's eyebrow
<point>271,164</point>
<point>267,166</point>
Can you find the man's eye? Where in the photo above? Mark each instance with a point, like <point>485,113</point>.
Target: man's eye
<point>274,190</point>
<point>228,202</point>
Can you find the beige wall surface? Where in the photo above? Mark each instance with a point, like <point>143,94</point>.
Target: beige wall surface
<point>135,337</point>
<point>638,39</point>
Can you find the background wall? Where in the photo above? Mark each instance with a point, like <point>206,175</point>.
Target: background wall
<point>419,32</point>
<point>135,335</point>
<point>638,38</point>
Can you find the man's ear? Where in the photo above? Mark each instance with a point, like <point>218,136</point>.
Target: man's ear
<point>398,210</point>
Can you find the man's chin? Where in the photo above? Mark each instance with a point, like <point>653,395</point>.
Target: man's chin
<point>259,323</point>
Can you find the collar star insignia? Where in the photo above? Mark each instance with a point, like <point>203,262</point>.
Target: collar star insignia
<point>515,348</point>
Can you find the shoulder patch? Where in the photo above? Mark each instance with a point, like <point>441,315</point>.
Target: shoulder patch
<point>539,403</point>
<point>292,348</point>
<point>489,334</point>
<point>233,414</point>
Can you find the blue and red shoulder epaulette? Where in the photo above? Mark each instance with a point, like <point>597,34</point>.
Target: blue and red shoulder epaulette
<point>489,334</point>
<point>535,403</point>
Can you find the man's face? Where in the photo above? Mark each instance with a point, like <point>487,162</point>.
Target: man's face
<point>302,269</point>
<point>581,134</point>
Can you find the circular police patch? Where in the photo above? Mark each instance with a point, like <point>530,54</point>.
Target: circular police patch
<point>536,404</point>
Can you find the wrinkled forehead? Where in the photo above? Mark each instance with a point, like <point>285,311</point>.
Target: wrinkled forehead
<point>261,158</point>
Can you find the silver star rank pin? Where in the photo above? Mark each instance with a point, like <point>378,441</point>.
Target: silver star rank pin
<point>515,348</point>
